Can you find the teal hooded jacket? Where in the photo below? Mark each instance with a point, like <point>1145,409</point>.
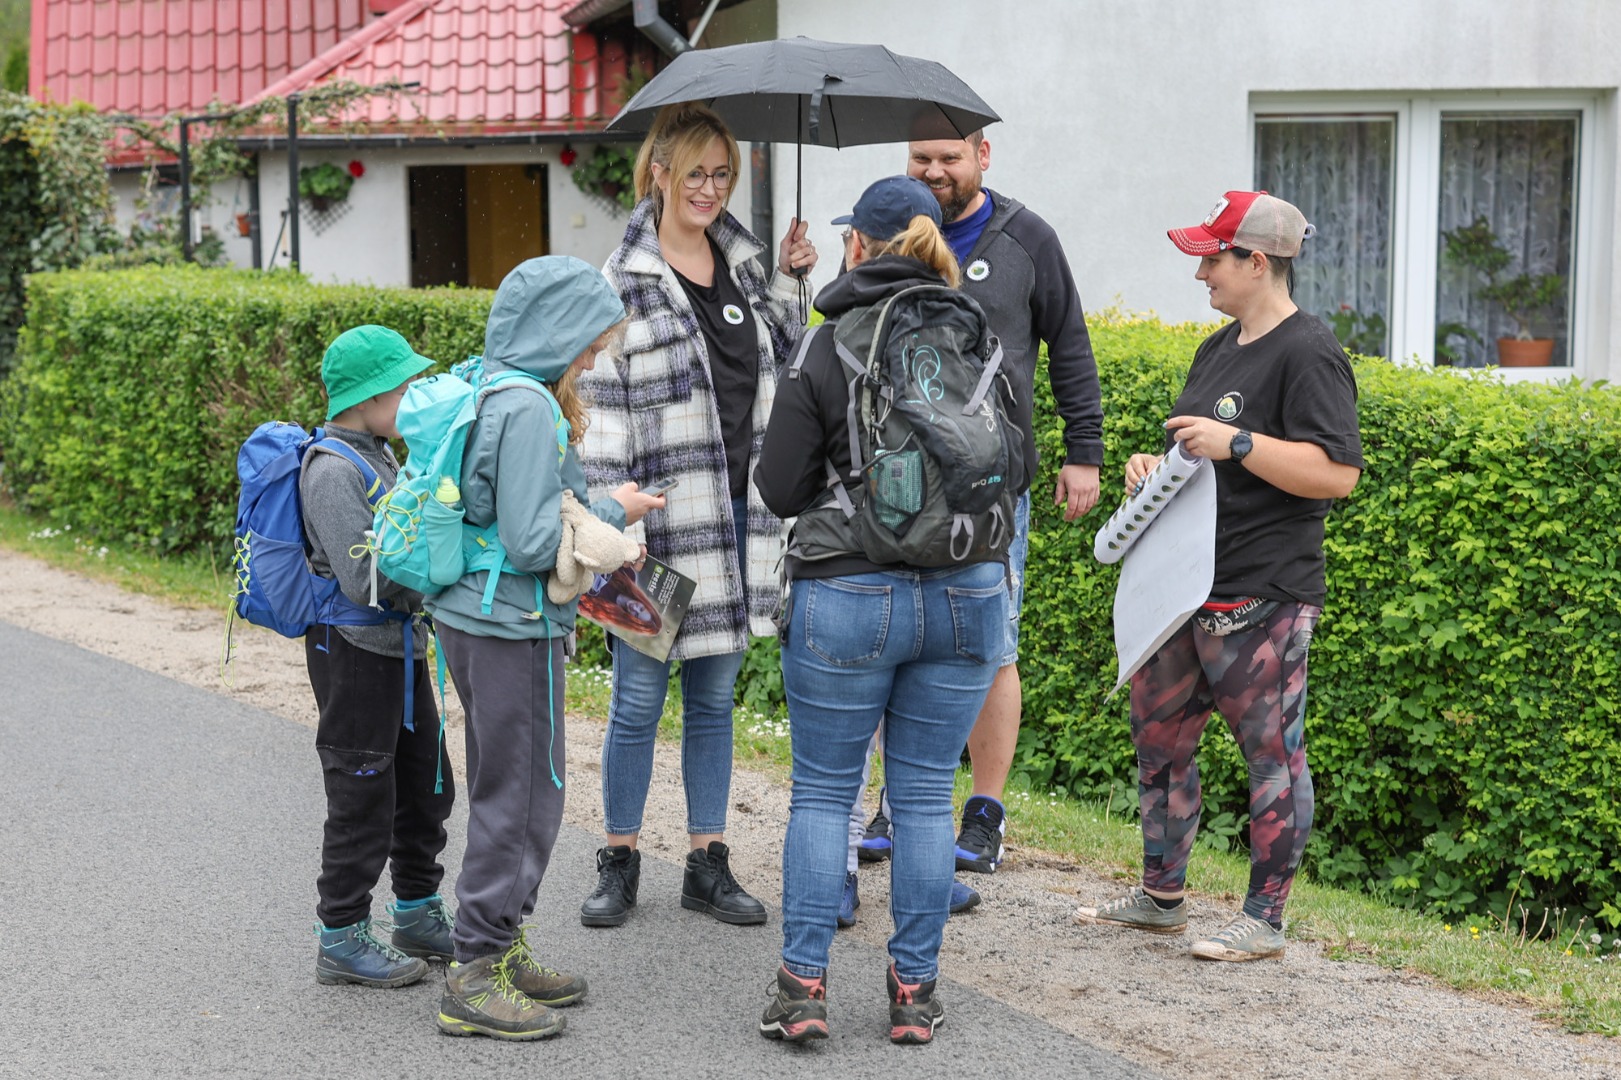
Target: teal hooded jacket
<point>546,313</point>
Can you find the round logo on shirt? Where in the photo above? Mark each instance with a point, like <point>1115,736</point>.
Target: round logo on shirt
<point>733,314</point>
<point>978,270</point>
<point>1229,405</point>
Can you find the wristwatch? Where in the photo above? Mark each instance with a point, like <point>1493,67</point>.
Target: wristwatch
<point>1241,446</point>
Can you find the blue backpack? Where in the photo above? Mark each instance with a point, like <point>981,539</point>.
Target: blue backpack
<point>422,538</point>
<point>275,587</point>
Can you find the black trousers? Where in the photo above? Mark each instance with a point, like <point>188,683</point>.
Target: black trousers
<point>380,804</point>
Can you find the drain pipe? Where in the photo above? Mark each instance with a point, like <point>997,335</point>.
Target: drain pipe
<point>655,29</point>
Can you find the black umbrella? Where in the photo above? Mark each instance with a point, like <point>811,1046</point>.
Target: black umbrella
<point>822,93</point>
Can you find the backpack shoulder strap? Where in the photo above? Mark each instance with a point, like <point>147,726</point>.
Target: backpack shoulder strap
<point>368,475</point>
<point>506,379</point>
<point>804,347</point>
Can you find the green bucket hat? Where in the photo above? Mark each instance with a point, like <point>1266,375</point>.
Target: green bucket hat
<point>364,362</point>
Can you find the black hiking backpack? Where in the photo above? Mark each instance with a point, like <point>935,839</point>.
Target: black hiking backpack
<point>938,459</point>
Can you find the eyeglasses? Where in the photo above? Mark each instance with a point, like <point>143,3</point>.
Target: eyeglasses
<point>694,180</point>
<point>846,234</point>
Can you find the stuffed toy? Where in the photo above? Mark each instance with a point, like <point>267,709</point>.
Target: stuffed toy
<point>589,546</point>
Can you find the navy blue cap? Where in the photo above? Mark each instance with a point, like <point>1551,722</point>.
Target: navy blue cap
<point>888,206</point>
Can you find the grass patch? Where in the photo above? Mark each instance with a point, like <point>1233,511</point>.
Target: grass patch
<point>193,581</point>
<point>1572,974</point>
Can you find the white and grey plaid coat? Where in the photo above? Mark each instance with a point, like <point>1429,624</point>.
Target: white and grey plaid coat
<point>654,416</point>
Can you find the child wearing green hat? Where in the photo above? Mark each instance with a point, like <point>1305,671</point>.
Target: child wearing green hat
<point>379,773</point>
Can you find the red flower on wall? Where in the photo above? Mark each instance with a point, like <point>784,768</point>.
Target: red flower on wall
<point>567,155</point>
<point>357,169</point>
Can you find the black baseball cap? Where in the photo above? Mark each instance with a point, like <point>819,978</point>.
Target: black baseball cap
<point>888,206</point>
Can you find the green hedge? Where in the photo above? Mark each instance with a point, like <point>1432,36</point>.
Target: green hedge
<point>1462,722</point>
<point>133,389</point>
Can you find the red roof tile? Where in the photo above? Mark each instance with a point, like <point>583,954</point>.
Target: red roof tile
<point>150,57</point>
<point>489,65</point>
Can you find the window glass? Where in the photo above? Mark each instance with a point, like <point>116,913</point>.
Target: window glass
<point>1340,171</point>
<point>1508,184</point>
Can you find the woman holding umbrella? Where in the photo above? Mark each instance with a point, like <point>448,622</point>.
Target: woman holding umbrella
<point>686,399</point>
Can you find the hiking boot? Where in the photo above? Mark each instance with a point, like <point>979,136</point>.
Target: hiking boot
<point>1137,910</point>
<point>708,885</point>
<point>876,843</point>
<point>424,931</point>
<point>798,1009</point>
<point>979,842</point>
<point>850,901</point>
<point>913,1011</point>
<point>963,897</point>
<point>354,954</point>
<point>1243,938</point>
<point>619,870</point>
<point>480,999</point>
<point>551,988</point>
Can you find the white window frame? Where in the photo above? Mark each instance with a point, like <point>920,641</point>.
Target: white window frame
<point>1416,210</point>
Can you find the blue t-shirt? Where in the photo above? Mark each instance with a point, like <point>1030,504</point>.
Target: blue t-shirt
<point>963,233</point>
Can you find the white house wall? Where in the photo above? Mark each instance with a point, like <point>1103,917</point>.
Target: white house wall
<point>370,242</point>
<point>1122,120</point>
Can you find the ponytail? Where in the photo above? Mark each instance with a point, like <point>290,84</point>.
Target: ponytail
<point>921,240</point>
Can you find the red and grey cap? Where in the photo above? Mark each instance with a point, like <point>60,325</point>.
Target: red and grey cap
<point>1252,220</point>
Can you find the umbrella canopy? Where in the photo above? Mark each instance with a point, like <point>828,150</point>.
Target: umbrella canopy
<point>817,93</point>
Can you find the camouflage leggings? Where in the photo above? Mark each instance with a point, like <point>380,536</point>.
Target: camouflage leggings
<point>1257,678</point>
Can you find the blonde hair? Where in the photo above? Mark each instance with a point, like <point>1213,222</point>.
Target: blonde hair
<point>680,137</point>
<point>567,389</point>
<point>921,240</point>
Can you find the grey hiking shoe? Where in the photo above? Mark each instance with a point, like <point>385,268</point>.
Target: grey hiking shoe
<point>1137,910</point>
<point>1243,938</point>
<point>355,954</point>
<point>480,999</point>
<point>549,987</point>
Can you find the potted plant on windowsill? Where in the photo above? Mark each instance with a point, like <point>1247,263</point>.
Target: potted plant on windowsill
<point>324,184</point>
<point>609,172</point>
<point>1521,297</point>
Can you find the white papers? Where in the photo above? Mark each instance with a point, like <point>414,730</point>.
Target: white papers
<point>1166,571</point>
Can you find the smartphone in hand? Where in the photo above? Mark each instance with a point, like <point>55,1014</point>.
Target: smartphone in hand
<point>659,487</point>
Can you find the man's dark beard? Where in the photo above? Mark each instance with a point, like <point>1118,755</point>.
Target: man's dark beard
<point>952,208</point>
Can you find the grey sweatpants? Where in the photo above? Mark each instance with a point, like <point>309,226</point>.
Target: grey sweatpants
<point>513,694</point>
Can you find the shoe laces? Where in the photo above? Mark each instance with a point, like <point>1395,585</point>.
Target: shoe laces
<point>611,875</point>
<point>981,833</point>
<point>369,940</point>
<point>501,976</point>
<point>1135,898</point>
<point>521,954</point>
<point>723,869</point>
<point>1240,927</point>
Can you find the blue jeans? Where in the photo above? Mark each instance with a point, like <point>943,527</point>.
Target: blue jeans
<point>916,650</point>
<point>1018,553</point>
<point>640,684</point>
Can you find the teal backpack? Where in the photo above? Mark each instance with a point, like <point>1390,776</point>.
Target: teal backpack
<point>421,536</point>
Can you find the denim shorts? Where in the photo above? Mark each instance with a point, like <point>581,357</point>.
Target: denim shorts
<point>1017,553</point>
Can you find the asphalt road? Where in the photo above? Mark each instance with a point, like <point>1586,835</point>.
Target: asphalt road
<point>157,868</point>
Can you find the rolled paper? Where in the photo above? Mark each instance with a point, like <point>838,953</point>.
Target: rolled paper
<point>1137,512</point>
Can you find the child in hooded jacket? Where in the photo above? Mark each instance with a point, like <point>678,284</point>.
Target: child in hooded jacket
<point>550,319</point>
<point>378,765</point>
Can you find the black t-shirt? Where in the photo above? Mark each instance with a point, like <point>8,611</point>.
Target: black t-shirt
<point>734,360</point>
<point>1293,383</point>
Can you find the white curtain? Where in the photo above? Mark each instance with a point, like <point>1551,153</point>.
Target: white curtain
<point>1340,172</point>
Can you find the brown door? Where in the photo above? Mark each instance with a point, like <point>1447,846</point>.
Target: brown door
<point>506,220</point>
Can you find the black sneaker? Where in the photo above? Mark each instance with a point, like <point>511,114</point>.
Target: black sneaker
<point>619,870</point>
<point>876,843</point>
<point>798,1009</point>
<point>913,1011</point>
<point>709,886</point>
<point>979,843</point>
